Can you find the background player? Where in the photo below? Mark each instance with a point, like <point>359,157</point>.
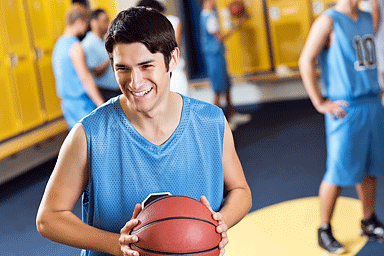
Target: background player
<point>342,39</point>
<point>213,49</point>
<point>97,57</point>
<point>74,83</point>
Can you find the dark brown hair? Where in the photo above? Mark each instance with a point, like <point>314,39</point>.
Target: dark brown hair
<point>142,25</point>
<point>75,12</point>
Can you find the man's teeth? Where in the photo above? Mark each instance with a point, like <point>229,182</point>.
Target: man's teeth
<point>140,94</point>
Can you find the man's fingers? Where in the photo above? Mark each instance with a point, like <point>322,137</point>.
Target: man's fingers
<point>129,226</point>
<point>205,202</point>
<point>136,211</point>
<point>128,239</point>
<point>341,103</point>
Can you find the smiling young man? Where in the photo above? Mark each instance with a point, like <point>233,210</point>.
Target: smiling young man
<point>148,140</point>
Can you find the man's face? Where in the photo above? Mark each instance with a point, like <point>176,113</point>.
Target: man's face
<point>103,23</point>
<point>83,27</point>
<point>142,75</point>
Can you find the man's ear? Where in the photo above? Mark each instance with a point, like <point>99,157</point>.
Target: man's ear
<point>174,59</point>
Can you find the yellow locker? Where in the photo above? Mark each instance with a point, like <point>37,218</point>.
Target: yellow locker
<point>247,49</point>
<point>9,125</point>
<point>289,23</point>
<point>318,6</point>
<point>21,63</point>
<point>43,42</point>
<point>110,6</point>
<point>55,13</point>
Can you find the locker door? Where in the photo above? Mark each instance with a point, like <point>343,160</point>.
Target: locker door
<point>247,49</point>
<point>289,23</point>
<point>9,125</point>
<point>56,10</point>
<point>318,6</point>
<point>43,43</point>
<point>22,69</point>
<point>110,6</point>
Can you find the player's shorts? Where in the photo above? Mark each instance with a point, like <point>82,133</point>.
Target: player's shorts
<point>217,72</point>
<point>355,143</point>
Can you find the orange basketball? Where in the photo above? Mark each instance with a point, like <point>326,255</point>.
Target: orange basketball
<point>237,9</point>
<point>173,225</point>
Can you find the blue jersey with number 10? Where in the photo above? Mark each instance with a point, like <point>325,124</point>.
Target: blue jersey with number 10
<point>349,66</point>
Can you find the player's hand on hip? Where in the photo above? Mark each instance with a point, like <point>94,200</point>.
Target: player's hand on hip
<point>126,239</point>
<point>333,108</point>
<point>221,228</point>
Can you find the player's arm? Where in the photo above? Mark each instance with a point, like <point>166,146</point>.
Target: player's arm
<point>55,219</point>
<point>99,70</point>
<point>319,37</point>
<point>213,28</point>
<point>78,59</point>
<point>237,194</point>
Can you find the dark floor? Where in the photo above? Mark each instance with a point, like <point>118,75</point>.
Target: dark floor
<point>282,152</point>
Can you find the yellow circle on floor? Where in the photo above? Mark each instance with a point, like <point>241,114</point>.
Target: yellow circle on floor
<point>290,229</point>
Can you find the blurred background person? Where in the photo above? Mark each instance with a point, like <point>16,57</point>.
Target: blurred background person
<point>179,81</point>
<point>74,83</point>
<point>97,57</point>
<point>213,48</point>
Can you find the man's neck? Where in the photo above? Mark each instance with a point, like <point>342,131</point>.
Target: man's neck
<point>70,31</point>
<point>96,33</point>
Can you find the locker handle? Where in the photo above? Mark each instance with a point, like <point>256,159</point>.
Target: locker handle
<point>13,59</point>
<point>39,53</point>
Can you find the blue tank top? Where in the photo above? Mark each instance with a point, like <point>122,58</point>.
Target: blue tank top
<point>349,66</point>
<point>209,43</point>
<point>75,101</point>
<point>124,167</point>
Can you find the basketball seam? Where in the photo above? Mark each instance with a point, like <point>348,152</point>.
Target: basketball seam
<point>165,197</point>
<point>171,218</point>
<point>171,253</point>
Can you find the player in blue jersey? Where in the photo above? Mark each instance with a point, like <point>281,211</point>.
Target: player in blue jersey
<point>147,140</point>
<point>342,39</point>
<point>74,83</point>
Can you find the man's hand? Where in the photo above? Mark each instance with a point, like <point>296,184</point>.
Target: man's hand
<point>222,228</point>
<point>332,108</point>
<point>126,239</point>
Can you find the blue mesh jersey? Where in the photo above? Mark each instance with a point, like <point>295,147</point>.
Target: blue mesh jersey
<point>124,167</point>
<point>75,103</point>
<point>349,66</point>
<point>209,43</point>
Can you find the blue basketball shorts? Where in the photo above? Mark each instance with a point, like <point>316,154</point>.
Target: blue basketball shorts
<point>217,72</point>
<point>355,143</point>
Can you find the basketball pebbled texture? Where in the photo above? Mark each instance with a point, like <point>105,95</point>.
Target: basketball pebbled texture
<point>176,225</point>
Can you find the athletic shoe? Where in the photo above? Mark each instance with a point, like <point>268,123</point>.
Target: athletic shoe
<point>238,119</point>
<point>373,229</point>
<point>328,242</point>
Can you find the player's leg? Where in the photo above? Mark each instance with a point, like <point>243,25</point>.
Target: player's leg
<point>366,191</point>
<point>230,109</point>
<point>370,225</point>
<point>328,194</point>
<point>216,99</point>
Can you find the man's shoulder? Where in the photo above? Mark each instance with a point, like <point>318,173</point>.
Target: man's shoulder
<point>202,107</point>
<point>104,110</point>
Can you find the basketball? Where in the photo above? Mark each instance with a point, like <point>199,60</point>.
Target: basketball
<point>237,9</point>
<point>173,225</point>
